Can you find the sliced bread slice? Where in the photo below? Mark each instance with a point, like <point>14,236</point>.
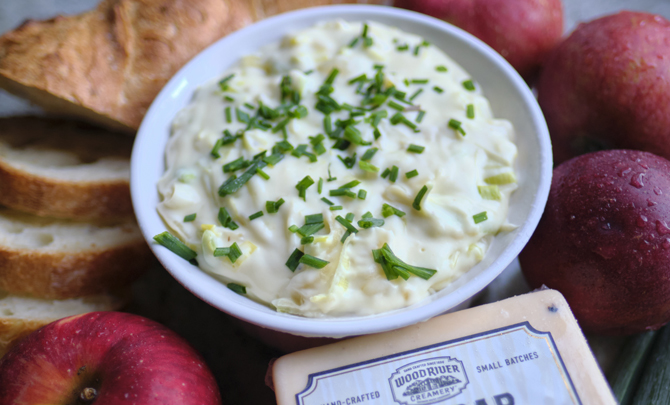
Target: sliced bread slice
<point>21,315</point>
<point>64,169</point>
<point>57,259</point>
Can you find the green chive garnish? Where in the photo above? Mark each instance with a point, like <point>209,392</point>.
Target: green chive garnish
<point>395,106</point>
<point>175,245</point>
<point>233,183</point>
<point>303,185</point>
<point>394,267</point>
<point>419,116</point>
<point>240,289</point>
<point>438,89</point>
<point>294,259</point>
<point>229,115</point>
<point>388,210</point>
<point>481,217</point>
<point>342,192</point>
<point>346,224</point>
<point>189,218</point>
<point>394,174</point>
<point>415,148</point>
<point>327,201</point>
<point>419,81</point>
<point>367,166</point>
<point>215,149</point>
<point>306,240</point>
<point>469,85</point>
<point>261,173</point>
<point>362,194</point>
<point>314,219</point>
<point>223,83</point>
<point>310,229</point>
<point>293,228</point>
<point>312,261</point>
<point>402,48</point>
<point>370,222</point>
<point>441,68</point>
<point>369,154</point>
<point>229,99</point>
<point>351,184</point>
<point>386,173</point>
<point>470,111</point>
<point>411,174</point>
<point>255,215</point>
<point>415,95</point>
<point>335,207</point>
<point>417,200</point>
<point>349,217</point>
<point>226,220</point>
<point>456,124</point>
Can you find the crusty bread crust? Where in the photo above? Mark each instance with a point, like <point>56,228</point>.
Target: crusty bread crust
<point>60,275</point>
<point>107,65</point>
<point>15,327</point>
<point>44,195</point>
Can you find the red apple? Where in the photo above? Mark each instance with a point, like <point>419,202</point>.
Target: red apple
<point>105,358</point>
<point>608,86</point>
<point>522,31</point>
<point>604,241</point>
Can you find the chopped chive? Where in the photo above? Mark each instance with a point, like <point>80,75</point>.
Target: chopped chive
<point>377,133</point>
<point>415,148</point>
<point>313,219</point>
<point>388,210</point>
<point>398,118</point>
<point>362,194</point>
<point>303,185</point>
<point>294,259</point>
<point>309,72</point>
<point>406,81</point>
<point>331,77</point>
<point>232,184</point>
<point>242,116</point>
<point>456,124</point>
<point>348,161</point>
<point>402,48</point>
<point>417,200</point>
<point>377,116</point>
<point>215,149</point>
<point>222,251</point>
<point>235,252</point>
<point>481,217</point>
<point>353,135</point>
<point>346,224</point>
<point>353,42</point>
<point>283,146</point>
<point>394,267</point>
<point>255,215</point>
<point>249,106</point>
<point>319,186</point>
<point>327,125</point>
<point>270,207</point>
<point>394,174</point>
<point>470,111</point>
<point>441,68</point>
<point>229,99</point>
<point>261,173</point>
<point>419,81</point>
<point>361,78</point>
<point>395,106</point>
<point>501,179</point>
<point>386,173</point>
<point>327,201</point>
<point>335,207</point>
<point>341,193</point>
<point>419,116</point>
<point>293,228</point>
<point>281,125</point>
<point>330,177</point>
<point>349,217</point>
<point>306,240</point>
<point>415,95</point>
<point>223,83</point>
<point>438,89</point>
<point>273,159</point>
<point>411,174</point>
<point>468,85</point>
<point>236,164</point>
<point>369,154</point>
<point>367,215</point>
<point>490,192</point>
<point>309,229</point>
<point>312,261</point>
<point>190,218</point>
<point>351,184</point>
<point>370,223</point>
<point>226,220</point>
<point>237,288</point>
<point>365,31</point>
<point>345,236</point>
<point>175,245</point>
<point>229,115</point>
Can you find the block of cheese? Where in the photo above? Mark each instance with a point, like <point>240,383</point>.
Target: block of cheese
<point>522,350</point>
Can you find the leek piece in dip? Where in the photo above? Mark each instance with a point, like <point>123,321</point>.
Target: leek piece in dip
<point>349,170</point>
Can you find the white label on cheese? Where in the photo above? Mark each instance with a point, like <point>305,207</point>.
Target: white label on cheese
<point>512,365</point>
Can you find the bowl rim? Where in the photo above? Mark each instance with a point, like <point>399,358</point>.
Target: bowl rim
<point>231,303</point>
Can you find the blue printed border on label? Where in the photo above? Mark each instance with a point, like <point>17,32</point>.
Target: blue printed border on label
<point>314,376</point>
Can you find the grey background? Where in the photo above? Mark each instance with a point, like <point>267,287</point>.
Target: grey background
<point>238,361</point>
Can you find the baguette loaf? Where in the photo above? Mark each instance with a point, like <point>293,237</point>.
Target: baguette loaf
<point>58,259</point>
<point>21,315</point>
<point>108,64</point>
<point>64,169</point>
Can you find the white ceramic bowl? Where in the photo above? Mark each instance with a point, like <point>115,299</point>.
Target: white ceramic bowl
<point>508,94</point>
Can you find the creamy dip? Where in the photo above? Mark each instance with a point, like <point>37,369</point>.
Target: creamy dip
<point>281,150</point>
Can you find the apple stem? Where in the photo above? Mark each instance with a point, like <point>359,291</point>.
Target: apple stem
<point>88,394</point>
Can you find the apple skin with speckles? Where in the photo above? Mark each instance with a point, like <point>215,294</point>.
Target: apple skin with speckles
<point>110,358</point>
<point>607,86</point>
<point>522,31</point>
<point>604,241</point>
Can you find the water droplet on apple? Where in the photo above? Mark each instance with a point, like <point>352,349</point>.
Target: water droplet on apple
<point>606,226</point>
<point>641,221</point>
<point>625,171</point>
<point>662,228</point>
<point>658,191</point>
<point>651,203</point>
<point>637,180</point>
